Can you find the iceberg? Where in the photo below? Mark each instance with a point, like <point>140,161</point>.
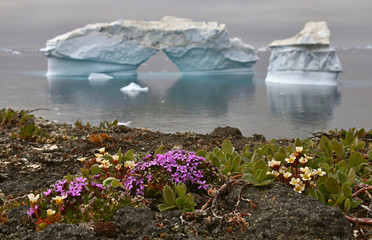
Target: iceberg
<point>306,58</point>
<point>120,47</point>
<point>133,89</point>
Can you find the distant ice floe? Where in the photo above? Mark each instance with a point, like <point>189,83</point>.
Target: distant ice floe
<point>124,123</point>
<point>122,46</point>
<point>306,58</point>
<point>133,89</point>
<point>11,51</point>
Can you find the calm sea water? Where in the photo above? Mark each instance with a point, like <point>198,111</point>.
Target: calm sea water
<point>177,103</point>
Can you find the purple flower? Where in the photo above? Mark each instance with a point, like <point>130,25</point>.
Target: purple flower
<point>30,212</point>
<point>47,193</point>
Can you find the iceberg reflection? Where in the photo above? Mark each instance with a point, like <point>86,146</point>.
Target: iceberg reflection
<point>173,100</point>
<point>303,105</point>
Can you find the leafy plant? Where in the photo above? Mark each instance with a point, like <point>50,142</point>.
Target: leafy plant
<point>31,132</point>
<point>177,197</point>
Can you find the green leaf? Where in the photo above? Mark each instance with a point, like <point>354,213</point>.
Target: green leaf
<point>351,178</point>
<point>129,154</point>
<point>282,151</point>
<point>169,196</point>
<point>95,169</point>
<point>164,207</point>
<point>347,205</point>
<point>249,178</point>
<point>341,176</point>
<point>338,150</point>
<point>347,192</point>
<point>261,164</point>
<point>201,153</point>
<point>321,197</point>
<point>159,151</point>
<point>259,175</point>
<point>342,165</point>
<point>266,182</point>
<point>215,161</point>
<point>279,157</point>
<point>313,193</point>
<point>298,143</point>
<point>325,146</point>
<point>227,147</point>
<point>332,186</point>
<point>349,138</point>
<point>181,189</point>
<point>116,183</point>
<point>236,163</point>
<point>227,168</point>
<point>370,155</point>
<point>84,172</point>
<point>108,181</point>
<point>269,152</point>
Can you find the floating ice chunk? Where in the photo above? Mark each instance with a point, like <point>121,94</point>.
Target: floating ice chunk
<point>133,89</point>
<point>99,76</point>
<point>124,123</point>
<point>125,44</point>
<point>15,52</point>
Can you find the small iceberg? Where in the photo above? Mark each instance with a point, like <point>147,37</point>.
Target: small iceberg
<point>133,89</point>
<point>99,76</point>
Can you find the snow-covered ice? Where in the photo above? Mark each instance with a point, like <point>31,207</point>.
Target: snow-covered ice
<point>122,46</point>
<point>306,58</point>
<point>134,88</point>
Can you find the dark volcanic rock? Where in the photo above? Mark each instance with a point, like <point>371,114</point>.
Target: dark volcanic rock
<point>226,132</point>
<point>64,231</point>
<point>282,213</point>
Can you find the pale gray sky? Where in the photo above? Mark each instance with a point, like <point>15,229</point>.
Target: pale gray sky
<point>29,23</point>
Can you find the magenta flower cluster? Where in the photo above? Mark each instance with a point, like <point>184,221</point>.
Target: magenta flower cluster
<point>174,166</point>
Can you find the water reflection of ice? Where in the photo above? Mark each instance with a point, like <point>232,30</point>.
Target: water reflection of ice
<point>303,105</point>
<point>172,98</point>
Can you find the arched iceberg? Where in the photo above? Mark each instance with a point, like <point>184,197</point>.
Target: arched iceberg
<point>122,46</point>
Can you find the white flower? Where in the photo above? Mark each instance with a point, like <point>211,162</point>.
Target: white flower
<point>33,199</point>
<point>308,157</point>
<point>287,174</point>
<point>102,150</point>
<point>98,155</point>
<point>320,172</point>
<point>129,164</point>
<point>306,176</point>
<point>82,159</point>
<point>115,158</point>
<point>299,187</point>
<point>59,199</point>
<point>299,149</point>
<point>105,165</point>
<point>303,160</point>
<point>291,159</point>
<point>275,173</point>
<point>50,212</point>
<point>305,170</point>
<point>294,181</point>
<point>281,171</point>
<point>273,163</point>
<point>118,167</point>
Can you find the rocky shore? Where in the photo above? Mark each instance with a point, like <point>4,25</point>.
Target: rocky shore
<point>31,164</point>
